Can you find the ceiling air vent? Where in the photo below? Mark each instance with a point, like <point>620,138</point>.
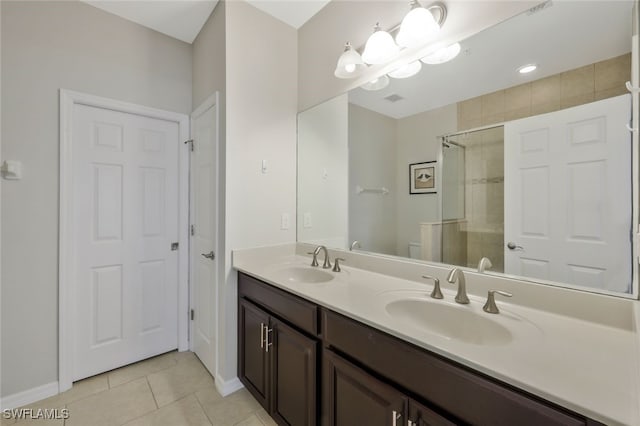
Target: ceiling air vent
<point>540,7</point>
<point>394,98</point>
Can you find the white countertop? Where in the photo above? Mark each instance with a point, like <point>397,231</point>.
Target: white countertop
<point>585,365</point>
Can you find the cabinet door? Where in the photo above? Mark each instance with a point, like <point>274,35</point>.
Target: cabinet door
<point>293,373</point>
<point>253,368</point>
<point>353,397</point>
<point>419,415</point>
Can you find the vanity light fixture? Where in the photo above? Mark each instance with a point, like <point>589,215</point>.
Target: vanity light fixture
<point>526,69</point>
<point>380,47</point>
<point>443,55</point>
<point>350,63</point>
<point>407,70</point>
<point>419,26</point>
<point>377,84</point>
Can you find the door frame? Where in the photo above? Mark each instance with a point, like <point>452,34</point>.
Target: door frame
<point>66,284</point>
<point>209,102</point>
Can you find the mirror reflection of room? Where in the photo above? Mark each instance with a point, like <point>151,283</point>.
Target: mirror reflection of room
<point>500,187</point>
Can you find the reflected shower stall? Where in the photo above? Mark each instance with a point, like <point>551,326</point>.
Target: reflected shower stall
<point>472,198</point>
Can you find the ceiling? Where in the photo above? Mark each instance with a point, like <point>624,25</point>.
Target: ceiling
<point>564,36</point>
<point>183,19</point>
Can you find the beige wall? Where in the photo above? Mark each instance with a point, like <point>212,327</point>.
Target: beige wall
<point>47,46</point>
<point>261,70</point>
<point>601,80</point>
<point>372,164</point>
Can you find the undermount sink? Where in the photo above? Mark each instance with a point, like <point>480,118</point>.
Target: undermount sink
<point>302,274</point>
<point>453,322</point>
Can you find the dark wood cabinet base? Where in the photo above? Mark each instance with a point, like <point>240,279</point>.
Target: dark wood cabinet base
<point>363,376</point>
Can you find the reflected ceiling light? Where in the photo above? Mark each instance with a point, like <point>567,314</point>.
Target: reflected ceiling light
<point>350,63</point>
<point>377,84</point>
<point>443,55</point>
<point>419,26</point>
<point>407,70</point>
<point>380,47</point>
<point>525,69</point>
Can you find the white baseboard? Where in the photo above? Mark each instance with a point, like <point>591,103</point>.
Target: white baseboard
<point>30,395</point>
<point>227,387</point>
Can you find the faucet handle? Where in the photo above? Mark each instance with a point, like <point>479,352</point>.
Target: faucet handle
<point>490,306</point>
<point>436,293</point>
<point>336,264</point>
<point>314,262</point>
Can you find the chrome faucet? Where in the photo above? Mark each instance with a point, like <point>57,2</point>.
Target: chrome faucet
<point>327,263</point>
<point>456,274</point>
<point>484,263</point>
<point>354,244</point>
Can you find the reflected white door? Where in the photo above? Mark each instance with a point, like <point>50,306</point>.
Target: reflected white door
<point>568,196</point>
<point>125,184</point>
<point>204,196</point>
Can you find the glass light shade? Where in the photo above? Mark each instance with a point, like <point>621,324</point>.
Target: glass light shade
<point>407,70</point>
<point>380,48</point>
<point>418,28</point>
<point>443,55</point>
<point>377,84</point>
<point>350,64</point>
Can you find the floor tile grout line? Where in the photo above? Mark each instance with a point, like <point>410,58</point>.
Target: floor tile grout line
<point>153,395</point>
<point>202,407</point>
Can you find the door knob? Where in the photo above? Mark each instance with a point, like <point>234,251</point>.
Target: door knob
<point>211,255</point>
<point>512,246</point>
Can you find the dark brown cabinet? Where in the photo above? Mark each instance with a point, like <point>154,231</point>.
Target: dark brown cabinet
<point>353,397</point>
<point>254,359</point>
<point>367,377</point>
<point>278,364</point>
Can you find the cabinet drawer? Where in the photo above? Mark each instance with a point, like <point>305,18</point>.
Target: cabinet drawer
<point>473,398</point>
<point>293,309</point>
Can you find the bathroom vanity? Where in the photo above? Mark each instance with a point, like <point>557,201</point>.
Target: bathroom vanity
<point>318,347</point>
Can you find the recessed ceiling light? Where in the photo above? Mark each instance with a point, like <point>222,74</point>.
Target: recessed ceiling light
<point>525,69</point>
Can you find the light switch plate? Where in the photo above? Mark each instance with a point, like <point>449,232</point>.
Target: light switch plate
<point>285,222</point>
<point>306,222</point>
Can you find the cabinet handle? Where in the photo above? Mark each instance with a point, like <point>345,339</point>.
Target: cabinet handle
<point>396,417</point>
<point>268,343</point>
<point>261,335</point>
<point>410,423</point>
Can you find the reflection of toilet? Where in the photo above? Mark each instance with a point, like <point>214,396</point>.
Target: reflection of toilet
<point>415,250</point>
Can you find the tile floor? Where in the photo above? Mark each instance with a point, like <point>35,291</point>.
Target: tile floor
<point>173,389</point>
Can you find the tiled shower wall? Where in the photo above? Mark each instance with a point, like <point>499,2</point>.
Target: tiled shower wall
<point>484,183</point>
<point>582,85</point>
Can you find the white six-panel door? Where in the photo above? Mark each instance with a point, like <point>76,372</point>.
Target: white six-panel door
<point>204,260</point>
<point>125,210</point>
<point>568,196</point>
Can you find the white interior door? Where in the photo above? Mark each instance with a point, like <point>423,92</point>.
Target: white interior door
<point>568,196</point>
<point>204,196</point>
<point>125,210</point>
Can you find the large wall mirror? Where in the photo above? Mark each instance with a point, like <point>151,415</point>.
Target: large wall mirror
<point>471,158</point>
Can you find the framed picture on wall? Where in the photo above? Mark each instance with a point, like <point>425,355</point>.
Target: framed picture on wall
<point>422,178</point>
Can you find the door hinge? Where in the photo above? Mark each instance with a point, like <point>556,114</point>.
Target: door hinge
<point>174,246</point>
<point>190,142</point>
<point>192,314</point>
<point>193,230</point>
